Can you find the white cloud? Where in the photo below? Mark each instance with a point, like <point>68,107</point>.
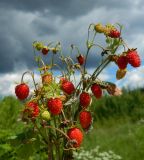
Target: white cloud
<point>18,26</point>
<point>133,79</point>
<point>9,81</point>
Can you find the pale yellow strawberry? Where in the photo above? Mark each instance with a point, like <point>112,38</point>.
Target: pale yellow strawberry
<point>62,97</point>
<point>120,73</point>
<point>99,28</point>
<point>47,78</point>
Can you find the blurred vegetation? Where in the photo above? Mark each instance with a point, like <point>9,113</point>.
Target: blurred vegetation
<point>118,126</point>
<point>17,141</point>
<point>128,105</point>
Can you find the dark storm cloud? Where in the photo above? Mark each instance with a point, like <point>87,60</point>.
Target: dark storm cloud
<point>23,21</point>
<point>65,8</point>
<point>42,27</point>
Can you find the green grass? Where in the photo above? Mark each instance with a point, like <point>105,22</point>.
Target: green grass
<point>116,127</point>
<point>121,136</point>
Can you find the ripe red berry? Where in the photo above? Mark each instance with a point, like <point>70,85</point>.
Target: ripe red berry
<point>22,91</point>
<point>76,135</point>
<point>85,99</point>
<point>122,62</point>
<point>32,109</point>
<point>96,90</point>
<point>68,87</point>
<point>81,59</point>
<point>55,105</point>
<point>133,58</point>
<point>85,119</point>
<point>114,33</point>
<point>63,79</point>
<point>45,51</point>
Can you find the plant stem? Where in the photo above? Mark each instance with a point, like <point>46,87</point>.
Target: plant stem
<point>58,143</point>
<point>45,140</point>
<point>32,75</point>
<point>50,148</point>
<point>99,67</point>
<point>58,131</point>
<point>102,68</point>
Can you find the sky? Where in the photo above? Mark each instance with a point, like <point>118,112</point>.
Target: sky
<point>24,21</point>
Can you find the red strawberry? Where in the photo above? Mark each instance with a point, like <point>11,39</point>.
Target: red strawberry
<point>122,62</point>
<point>22,91</point>
<point>85,99</point>
<point>32,109</point>
<point>55,105</point>
<point>68,87</point>
<point>85,119</point>
<point>81,59</point>
<point>45,51</point>
<point>63,79</point>
<point>76,135</point>
<point>114,33</point>
<point>96,90</point>
<point>133,58</point>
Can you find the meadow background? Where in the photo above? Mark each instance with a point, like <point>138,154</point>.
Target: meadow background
<point>118,125</point>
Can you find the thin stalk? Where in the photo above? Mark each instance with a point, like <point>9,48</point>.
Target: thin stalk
<point>58,144</point>
<point>44,139</point>
<point>63,73</point>
<point>50,148</point>
<point>103,65</point>
<point>86,60</point>
<point>52,62</point>
<point>58,131</point>
<point>102,68</point>
<point>99,67</point>
<point>64,115</point>
<point>32,75</point>
<point>88,49</point>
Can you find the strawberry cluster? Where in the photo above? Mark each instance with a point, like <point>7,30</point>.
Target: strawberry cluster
<point>130,57</point>
<point>60,103</point>
<point>108,30</point>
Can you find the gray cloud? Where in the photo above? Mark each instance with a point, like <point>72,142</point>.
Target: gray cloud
<point>65,8</point>
<point>22,22</point>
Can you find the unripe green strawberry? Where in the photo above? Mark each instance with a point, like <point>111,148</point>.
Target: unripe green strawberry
<point>54,50</point>
<point>46,115</point>
<point>38,45</point>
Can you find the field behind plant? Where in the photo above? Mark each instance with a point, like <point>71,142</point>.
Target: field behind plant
<point>118,126</point>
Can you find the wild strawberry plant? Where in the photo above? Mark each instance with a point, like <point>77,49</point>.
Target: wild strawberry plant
<point>58,108</point>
